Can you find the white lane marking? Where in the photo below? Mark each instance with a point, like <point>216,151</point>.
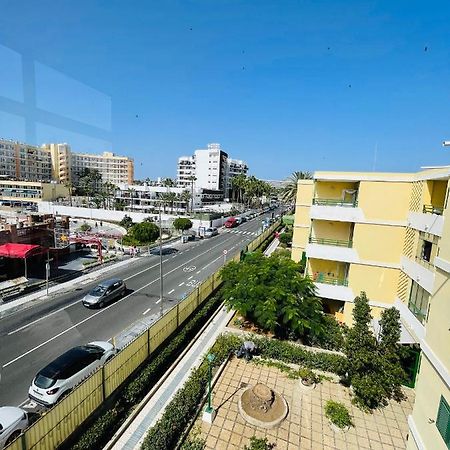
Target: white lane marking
<point>43,317</point>
<point>146,311</point>
<point>198,271</point>
<point>192,276</point>
<point>158,301</point>
<point>181,284</point>
<point>102,310</point>
<point>138,273</point>
<point>170,291</point>
<point>174,256</point>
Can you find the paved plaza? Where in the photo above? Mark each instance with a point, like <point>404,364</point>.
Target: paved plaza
<point>305,427</point>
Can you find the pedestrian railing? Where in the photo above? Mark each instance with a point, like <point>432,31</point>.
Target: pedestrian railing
<point>56,425</point>
<point>430,209</point>
<point>334,202</point>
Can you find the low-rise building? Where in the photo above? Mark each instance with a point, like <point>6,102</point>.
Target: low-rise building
<point>387,234</point>
<point>19,193</point>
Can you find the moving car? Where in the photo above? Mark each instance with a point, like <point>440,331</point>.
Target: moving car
<point>231,222</point>
<point>58,378</point>
<point>13,421</point>
<point>105,292</point>
<point>210,232</point>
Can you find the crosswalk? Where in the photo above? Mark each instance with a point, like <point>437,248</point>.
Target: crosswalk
<point>248,233</point>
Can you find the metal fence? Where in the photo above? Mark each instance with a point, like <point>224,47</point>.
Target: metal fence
<point>54,427</point>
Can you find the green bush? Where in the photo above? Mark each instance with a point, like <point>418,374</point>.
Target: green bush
<point>338,414</point>
<point>182,224</point>
<point>286,238</point>
<point>144,233</point>
<point>85,227</point>
<point>308,376</point>
<point>193,444</point>
<point>331,337</point>
<point>177,415</point>
<point>259,444</point>
<point>106,425</point>
<point>290,353</point>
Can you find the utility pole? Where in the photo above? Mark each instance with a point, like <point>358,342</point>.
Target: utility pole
<point>160,266</point>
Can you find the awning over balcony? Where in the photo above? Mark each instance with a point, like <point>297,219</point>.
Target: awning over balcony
<point>21,251</point>
<point>405,336</point>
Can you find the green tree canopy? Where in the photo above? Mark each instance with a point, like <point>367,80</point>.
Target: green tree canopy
<point>144,233</point>
<point>273,294</point>
<point>126,222</point>
<point>289,192</point>
<point>183,224</point>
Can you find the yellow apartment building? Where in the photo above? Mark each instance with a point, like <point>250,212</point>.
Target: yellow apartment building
<point>385,234</point>
<point>18,192</point>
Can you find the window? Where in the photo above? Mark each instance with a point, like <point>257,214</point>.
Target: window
<point>426,250</point>
<point>418,301</point>
<point>443,421</point>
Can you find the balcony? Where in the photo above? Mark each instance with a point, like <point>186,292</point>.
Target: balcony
<point>420,315</point>
<point>334,242</point>
<point>334,202</point>
<point>320,277</point>
<point>430,209</point>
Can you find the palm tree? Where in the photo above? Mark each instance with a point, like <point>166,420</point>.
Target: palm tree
<point>289,192</point>
<point>168,182</point>
<point>192,179</point>
<point>184,198</point>
<point>109,191</point>
<point>165,199</point>
<point>238,184</point>
<point>131,192</point>
<point>69,185</point>
<point>171,198</point>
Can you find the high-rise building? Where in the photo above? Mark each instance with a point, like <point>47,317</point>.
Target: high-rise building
<point>387,234</point>
<point>211,168</point>
<point>57,162</point>
<point>24,162</point>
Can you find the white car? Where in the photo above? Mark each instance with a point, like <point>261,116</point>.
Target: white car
<point>210,232</point>
<point>13,421</point>
<point>59,377</point>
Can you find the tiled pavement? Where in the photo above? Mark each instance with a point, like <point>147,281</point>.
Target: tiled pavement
<point>305,426</point>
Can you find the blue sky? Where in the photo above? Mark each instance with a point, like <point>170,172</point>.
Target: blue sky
<point>285,85</point>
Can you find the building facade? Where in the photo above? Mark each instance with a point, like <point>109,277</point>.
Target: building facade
<point>387,234</point>
<point>56,162</point>
<point>209,169</point>
<point>18,193</point>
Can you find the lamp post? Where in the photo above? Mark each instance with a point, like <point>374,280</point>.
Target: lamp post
<point>160,266</point>
<point>209,413</point>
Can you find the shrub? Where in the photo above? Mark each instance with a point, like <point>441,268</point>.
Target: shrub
<point>338,414</point>
<point>126,222</point>
<point>193,444</point>
<point>144,233</point>
<point>259,444</point>
<point>85,227</point>
<point>167,431</point>
<point>331,336</point>
<point>290,353</point>
<point>308,376</point>
<point>286,238</point>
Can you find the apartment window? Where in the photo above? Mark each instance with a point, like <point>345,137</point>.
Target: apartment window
<point>426,250</point>
<point>443,421</point>
<point>418,302</point>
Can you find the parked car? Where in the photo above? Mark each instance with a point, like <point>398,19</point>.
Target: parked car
<point>13,421</point>
<point>58,378</point>
<point>231,222</point>
<point>104,293</point>
<point>210,232</point>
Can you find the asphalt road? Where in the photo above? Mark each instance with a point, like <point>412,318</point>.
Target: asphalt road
<point>32,338</point>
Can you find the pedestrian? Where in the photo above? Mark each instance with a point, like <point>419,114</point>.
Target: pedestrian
<point>95,224</point>
<point>101,223</point>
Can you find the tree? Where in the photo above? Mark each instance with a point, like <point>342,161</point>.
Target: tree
<point>126,222</point>
<point>289,192</point>
<point>168,182</point>
<point>109,191</point>
<point>273,294</point>
<point>144,233</point>
<point>365,362</point>
<point>392,353</point>
<point>89,181</point>
<point>171,199</point>
<point>182,224</point>
<point>184,198</point>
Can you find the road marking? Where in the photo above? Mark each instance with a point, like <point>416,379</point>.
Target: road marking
<point>103,310</point>
<point>192,276</point>
<point>43,317</point>
<point>146,311</point>
<point>158,301</point>
<point>181,284</point>
<point>198,271</point>
<point>170,291</point>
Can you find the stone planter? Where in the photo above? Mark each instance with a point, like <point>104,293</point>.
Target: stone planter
<point>337,429</point>
<point>306,387</point>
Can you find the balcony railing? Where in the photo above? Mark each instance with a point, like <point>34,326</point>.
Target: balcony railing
<point>322,278</point>
<point>335,242</point>
<point>424,262</point>
<point>334,202</point>
<point>430,209</point>
<point>421,316</point>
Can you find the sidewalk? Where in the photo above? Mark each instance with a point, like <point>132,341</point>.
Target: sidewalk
<point>135,431</point>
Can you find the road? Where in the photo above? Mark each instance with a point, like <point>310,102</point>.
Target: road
<point>32,338</point>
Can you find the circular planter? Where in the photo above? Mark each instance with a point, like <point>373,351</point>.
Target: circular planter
<point>280,406</point>
<point>306,387</point>
<point>337,429</point>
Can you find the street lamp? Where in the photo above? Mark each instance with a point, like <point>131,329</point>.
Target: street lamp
<point>160,266</point>
<point>209,413</point>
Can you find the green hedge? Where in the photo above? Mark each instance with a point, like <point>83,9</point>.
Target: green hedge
<point>102,429</point>
<point>181,410</point>
<point>290,353</point>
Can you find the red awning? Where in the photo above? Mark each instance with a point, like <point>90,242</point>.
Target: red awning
<point>20,250</point>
